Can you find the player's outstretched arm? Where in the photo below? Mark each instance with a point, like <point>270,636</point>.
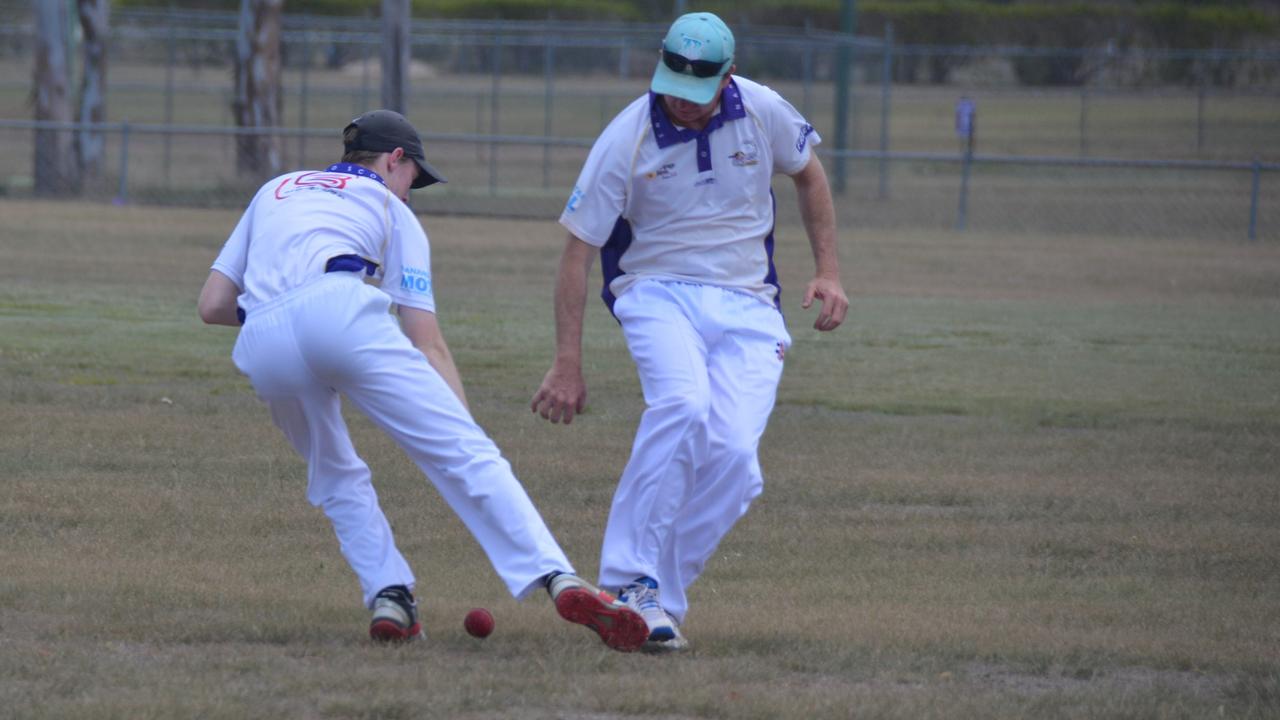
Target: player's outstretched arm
<point>564,392</point>
<point>422,329</point>
<point>818,212</point>
<point>217,304</point>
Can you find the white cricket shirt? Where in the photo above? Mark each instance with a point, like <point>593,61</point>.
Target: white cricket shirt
<point>674,203</point>
<point>300,220</point>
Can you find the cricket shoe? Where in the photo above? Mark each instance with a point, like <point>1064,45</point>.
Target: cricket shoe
<point>395,616</point>
<point>578,601</point>
<point>677,643</point>
<point>664,634</point>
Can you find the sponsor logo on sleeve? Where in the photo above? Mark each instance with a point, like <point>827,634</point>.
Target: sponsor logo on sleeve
<point>574,198</point>
<point>805,132</point>
<point>416,281</point>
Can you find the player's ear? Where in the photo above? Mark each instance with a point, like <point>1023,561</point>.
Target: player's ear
<point>724,79</point>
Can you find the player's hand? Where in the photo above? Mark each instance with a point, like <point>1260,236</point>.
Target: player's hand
<point>835,304</point>
<point>562,395</point>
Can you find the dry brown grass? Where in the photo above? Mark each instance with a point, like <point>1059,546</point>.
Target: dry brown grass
<point>1034,476</point>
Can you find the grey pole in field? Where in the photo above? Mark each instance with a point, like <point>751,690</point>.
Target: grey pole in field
<point>548,98</point>
<point>886,82</point>
<point>122,191</point>
<point>171,56</point>
<point>395,54</point>
<point>496,88</point>
<point>1253,198</point>
<point>844,56</point>
<point>1200,118</point>
<point>1084,121</point>
<point>962,210</point>
<point>305,91</point>
<point>806,64</point>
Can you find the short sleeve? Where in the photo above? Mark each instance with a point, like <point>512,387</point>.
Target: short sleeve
<point>790,135</point>
<point>600,196</point>
<point>234,257</point>
<point>406,271</point>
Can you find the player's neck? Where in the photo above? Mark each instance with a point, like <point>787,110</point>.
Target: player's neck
<point>697,123</point>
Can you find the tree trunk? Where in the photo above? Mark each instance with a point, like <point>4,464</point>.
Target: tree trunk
<point>395,54</point>
<point>90,146</point>
<point>258,101</point>
<point>55,160</point>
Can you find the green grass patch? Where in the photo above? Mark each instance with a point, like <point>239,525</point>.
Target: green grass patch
<point>1032,476</point>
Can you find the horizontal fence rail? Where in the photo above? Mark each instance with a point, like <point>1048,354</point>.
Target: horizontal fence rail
<point>553,147</point>
<point>1123,140</point>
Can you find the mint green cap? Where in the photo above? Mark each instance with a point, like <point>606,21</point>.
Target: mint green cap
<point>696,36</point>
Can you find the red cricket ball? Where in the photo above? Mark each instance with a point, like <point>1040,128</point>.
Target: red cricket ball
<point>479,623</point>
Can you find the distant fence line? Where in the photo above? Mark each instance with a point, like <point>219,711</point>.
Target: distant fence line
<point>967,161</point>
<point>304,34</point>
<point>519,99</point>
<point>559,53</point>
<point>299,28</point>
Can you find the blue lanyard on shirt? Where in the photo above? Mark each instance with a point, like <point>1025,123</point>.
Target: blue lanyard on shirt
<point>353,169</point>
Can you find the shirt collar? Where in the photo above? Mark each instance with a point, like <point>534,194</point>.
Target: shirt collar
<point>353,169</point>
<point>667,134</point>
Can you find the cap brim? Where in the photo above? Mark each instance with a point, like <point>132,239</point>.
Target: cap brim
<point>686,87</point>
<point>427,175</point>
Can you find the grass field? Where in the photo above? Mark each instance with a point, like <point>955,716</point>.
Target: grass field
<point>1032,476</point>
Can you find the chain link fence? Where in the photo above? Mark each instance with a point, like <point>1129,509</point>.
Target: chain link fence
<point>1065,140</point>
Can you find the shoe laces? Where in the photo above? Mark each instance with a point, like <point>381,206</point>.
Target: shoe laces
<point>644,597</point>
<point>399,595</point>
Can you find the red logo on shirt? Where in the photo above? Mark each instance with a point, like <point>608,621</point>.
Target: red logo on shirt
<point>311,181</point>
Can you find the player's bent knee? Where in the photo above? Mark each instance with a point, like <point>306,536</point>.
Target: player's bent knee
<point>690,408</point>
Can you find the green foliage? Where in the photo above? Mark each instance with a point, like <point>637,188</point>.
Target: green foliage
<point>1164,23</point>
<point>528,9</point>
<point>488,9</point>
<point>1041,23</point>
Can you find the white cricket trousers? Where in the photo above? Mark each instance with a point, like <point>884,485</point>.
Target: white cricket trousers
<point>335,336</point>
<point>709,361</point>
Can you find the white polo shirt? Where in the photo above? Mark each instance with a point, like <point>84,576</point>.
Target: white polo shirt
<point>297,222</point>
<point>674,203</point>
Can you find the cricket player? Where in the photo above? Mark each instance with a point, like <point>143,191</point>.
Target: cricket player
<point>293,272</point>
<point>675,195</point>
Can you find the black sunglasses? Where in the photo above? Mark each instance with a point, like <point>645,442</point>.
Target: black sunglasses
<point>699,68</point>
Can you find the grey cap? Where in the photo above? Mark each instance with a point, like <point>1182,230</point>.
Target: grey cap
<point>386,130</point>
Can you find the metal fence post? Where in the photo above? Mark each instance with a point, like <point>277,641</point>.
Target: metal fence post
<point>1084,118</point>
<point>806,65</point>
<point>479,124</point>
<point>548,81</point>
<point>1200,119</point>
<point>1253,199</point>
<point>171,53</point>
<point>364,78</point>
<point>886,82</point>
<point>302,101</point>
<point>843,78</point>
<point>493,115</point>
<point>122,193</point>
<point>962,212</point>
